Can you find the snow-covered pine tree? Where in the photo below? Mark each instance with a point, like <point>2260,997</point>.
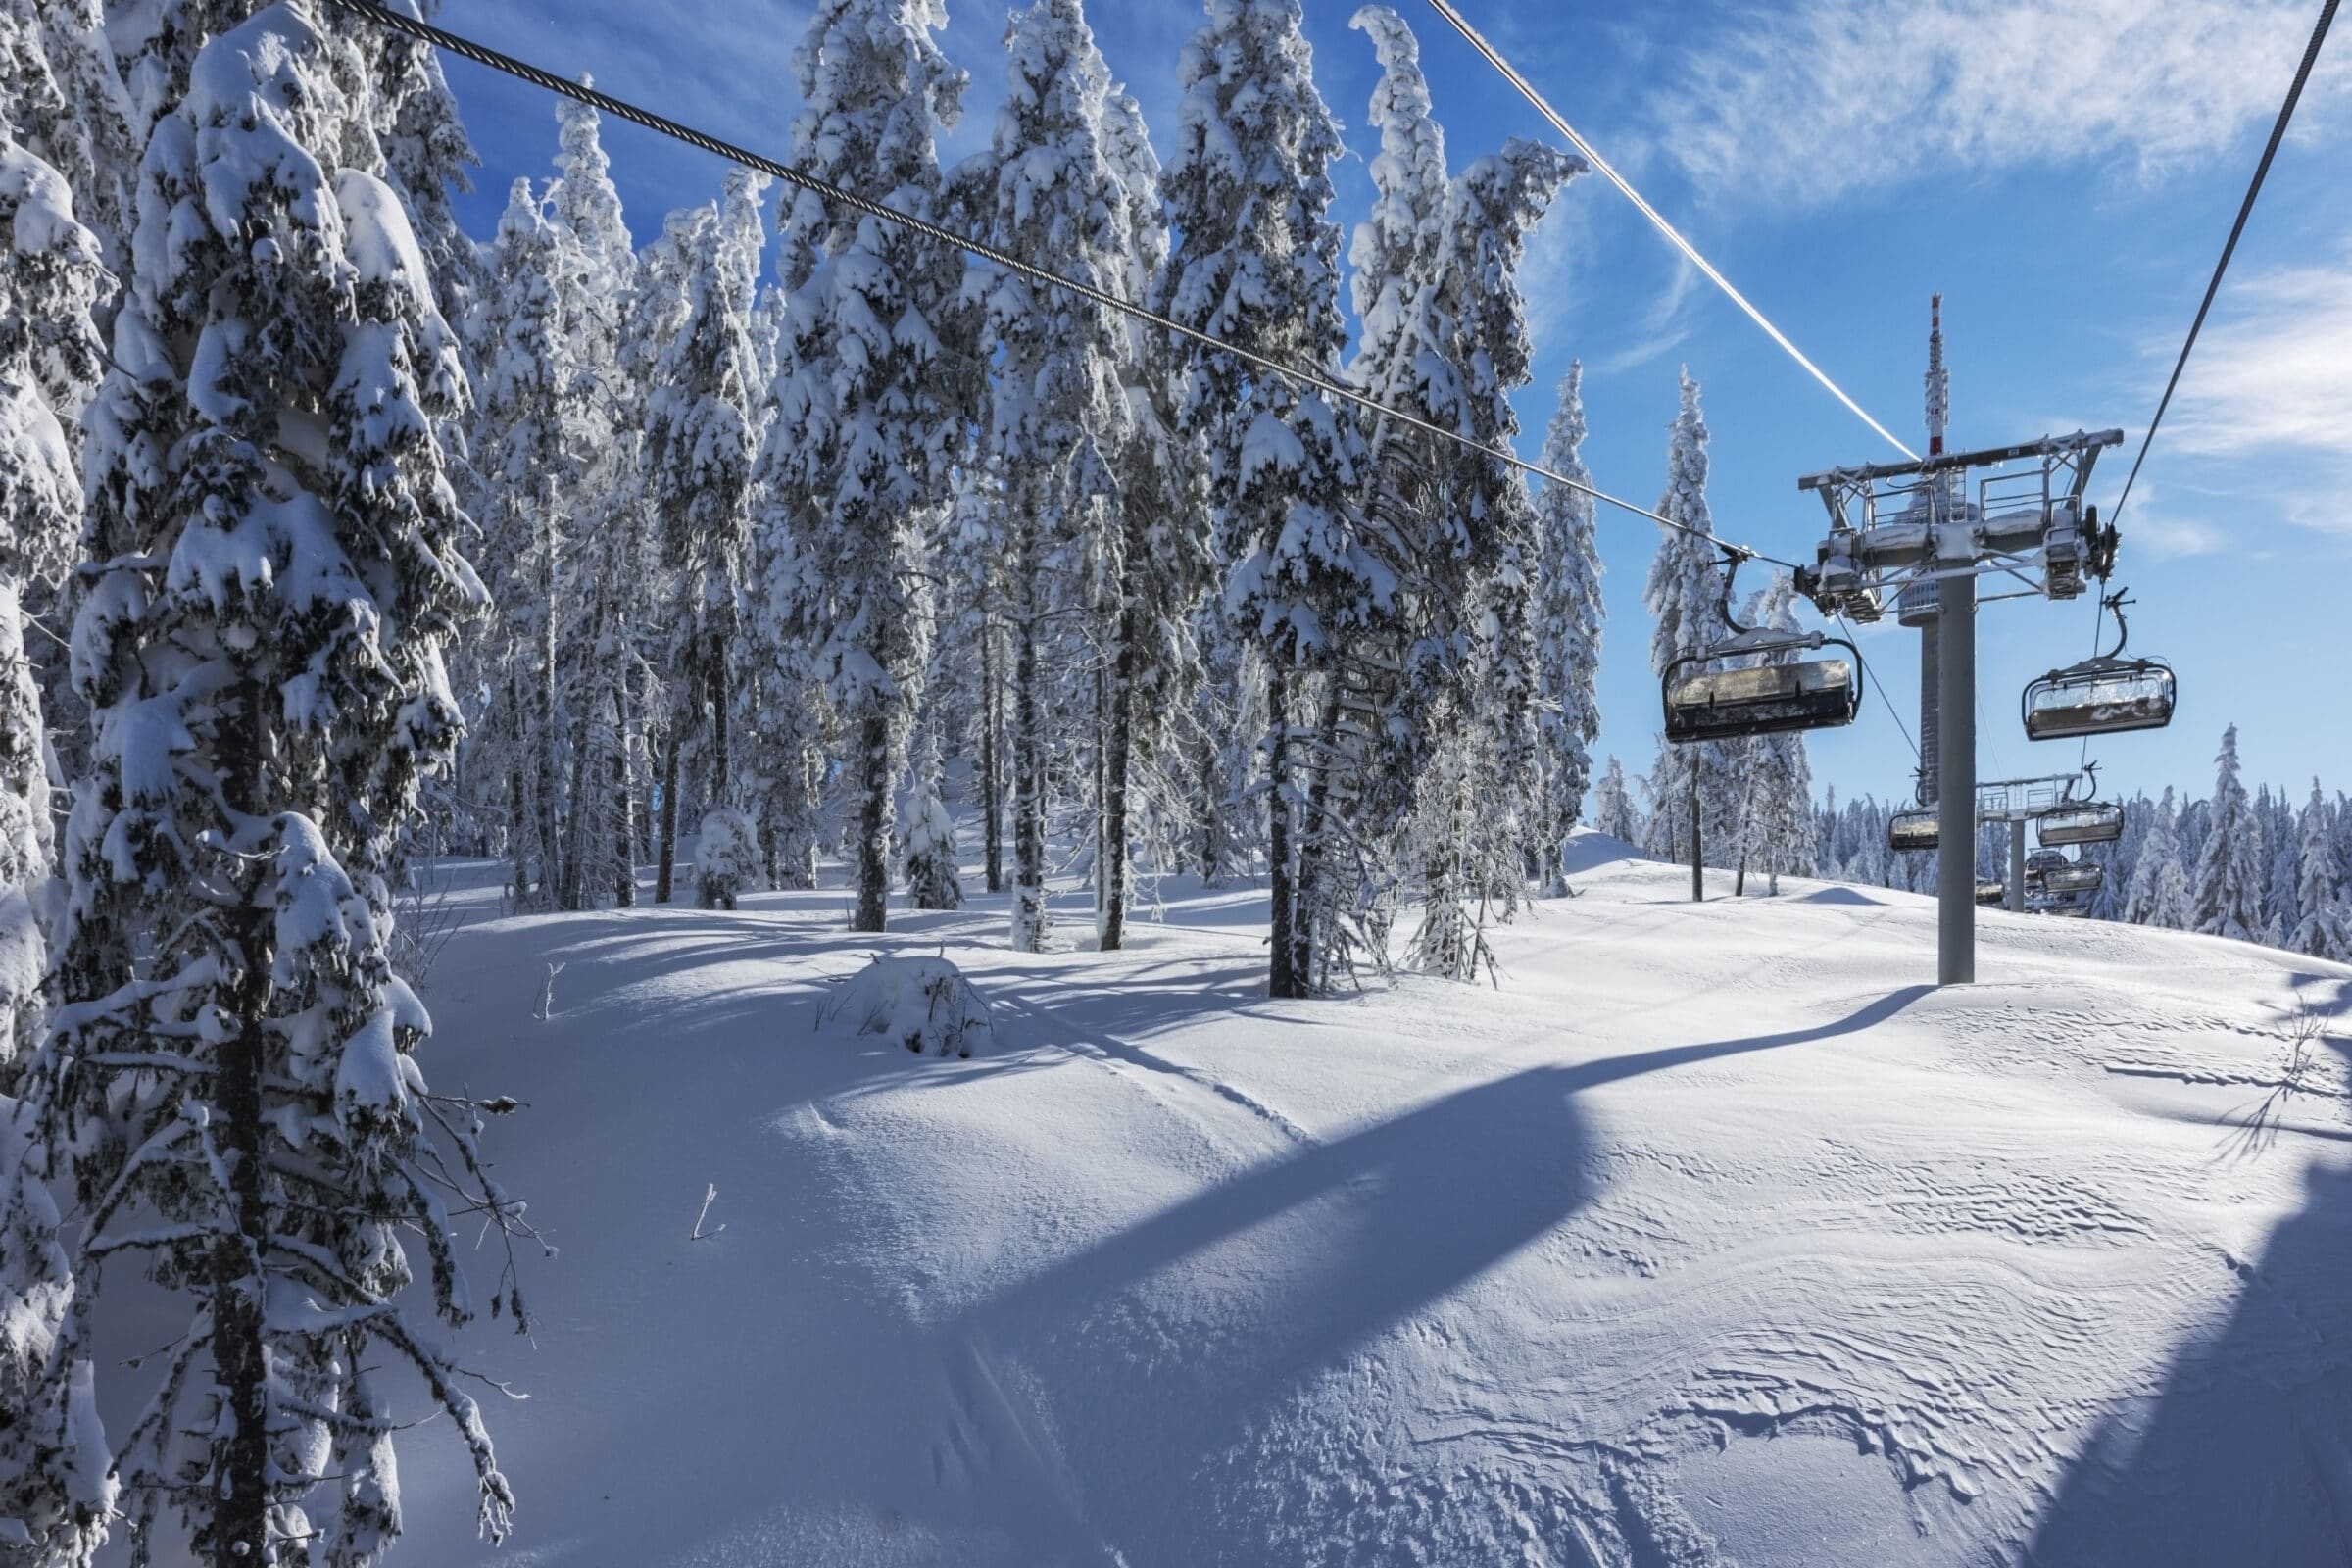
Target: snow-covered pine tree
<point>2324,929</point>
<point>609,647</point>
<point>1256,264</point>
<point>699,465</point>
<point>1773,781</point>
<point>2227,897</point>
<point>63,101</point>
<point>2159,894</point>
<point>1056,408</point>
<point>1685,596</point>
<point>932,882</point>
<point>523,468</point>
<point>1613,808</point>
<point>1568,616</point>
<point>1162,560</point>
<point>870,401</point>
<point>274,573</point>
<point>50,359</point>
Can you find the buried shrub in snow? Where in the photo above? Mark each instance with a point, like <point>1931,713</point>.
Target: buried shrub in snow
<point>728,859</point>
<point>925,1004</point>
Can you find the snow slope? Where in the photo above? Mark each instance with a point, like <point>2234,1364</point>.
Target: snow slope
<point>1714,1236</point>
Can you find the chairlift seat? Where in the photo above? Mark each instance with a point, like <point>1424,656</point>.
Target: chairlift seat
<point>1991,892</point>
<point>2075,877</point>
<point>1767,698</point>
<point>1914,830</point>
<point>2101,697</point>
<point>2088,822</point>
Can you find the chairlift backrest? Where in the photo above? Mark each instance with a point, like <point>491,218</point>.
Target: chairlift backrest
<point>2103,696</point>
<point>1763,691</point>
<point>2089,822</point>
<point>1914,830</point>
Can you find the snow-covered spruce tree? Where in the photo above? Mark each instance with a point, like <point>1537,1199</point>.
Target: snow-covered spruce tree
<point>870,401</point>
<point>1495,203</point>
<point>1613,808</point>
<point>698,464</point>
<point>525,469</point>
<point>1057,410</point>
<point>609,645</point>
<point>930,836</point>
<point>1568,616</point>
<point>1685,596</point>
<point>55,1492</point>
<point>49,366</point>
<point>63,101</point>
<point>1772,782</point>
<point>1256,264</point>
<point>2324,930</point>
<point>2226,900</point>
<point>274,572</point>
<point>1164,563</point>
<point>2158,893</point>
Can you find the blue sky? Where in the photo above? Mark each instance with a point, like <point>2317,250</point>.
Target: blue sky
<point>2063,170</point>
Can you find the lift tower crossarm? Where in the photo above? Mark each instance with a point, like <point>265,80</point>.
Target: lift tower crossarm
<point>2046,447</point>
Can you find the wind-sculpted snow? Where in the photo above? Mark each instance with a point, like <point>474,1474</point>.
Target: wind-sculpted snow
<point>1713,1237</point>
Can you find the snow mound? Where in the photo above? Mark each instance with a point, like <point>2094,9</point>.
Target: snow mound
<point>726,859</point>
<point>926,1005</point>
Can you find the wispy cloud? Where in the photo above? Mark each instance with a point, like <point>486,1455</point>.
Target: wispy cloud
<point>1664,327</point>
<point>1826,97</point>
<point>2272,370</point>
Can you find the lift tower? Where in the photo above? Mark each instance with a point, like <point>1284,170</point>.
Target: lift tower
<point>2015,511</point>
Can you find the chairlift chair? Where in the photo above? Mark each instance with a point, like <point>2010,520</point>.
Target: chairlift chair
<point>2084,822</point>
<point>2102,695</point>
<point>1769,696</point>
<point>1917,828</point>
<point>2074,876</point>
<point>1991,892</point>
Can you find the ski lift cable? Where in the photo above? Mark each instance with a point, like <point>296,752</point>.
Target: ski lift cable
<point>483,55</point>
<point>1880,687</point>
<point>1674,235</point>
<point>2262,170</point>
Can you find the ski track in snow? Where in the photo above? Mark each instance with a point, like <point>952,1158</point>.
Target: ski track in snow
<point>1711,1237</point>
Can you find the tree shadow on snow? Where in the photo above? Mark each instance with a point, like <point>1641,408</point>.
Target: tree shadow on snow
<point>2245,1455</point>
<point>1158,1348</point>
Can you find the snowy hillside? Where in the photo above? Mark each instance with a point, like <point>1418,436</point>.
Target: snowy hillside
<point>1713,1237</point>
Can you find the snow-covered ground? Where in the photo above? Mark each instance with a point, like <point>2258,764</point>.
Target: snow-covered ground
<point>1713,1235</point>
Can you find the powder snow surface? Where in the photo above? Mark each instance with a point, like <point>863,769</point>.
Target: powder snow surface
<point>1714,1236</point>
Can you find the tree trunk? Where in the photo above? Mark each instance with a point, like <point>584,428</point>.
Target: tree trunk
<point>1118,743</point>
<point>542,748</point>
<point>1212,870</point>
<point>1699,875</point>
<point>1028,788</point>
<point>721,764</point>
<point>236,1533</point>
<point>1283,977</point>
<point>666,860</point>
<point>624,801</point>
<point>873,827</point>
<point>992,760</point>
<point>518,805</point>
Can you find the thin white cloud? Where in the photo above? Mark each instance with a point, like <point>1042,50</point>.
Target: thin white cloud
<point>1664,327</point>
<point>2272,370</point>
<point>1828,97</point>
<point>2166,534</point>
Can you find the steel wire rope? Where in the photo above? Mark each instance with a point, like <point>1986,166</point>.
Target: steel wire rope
<point>2245,210</point>
<point>1863,665</point>
<point>1527,90</point>
<point>483,55</point>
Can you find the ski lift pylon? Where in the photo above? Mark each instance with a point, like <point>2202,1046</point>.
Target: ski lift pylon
<point>1766,694</point>
<point>2102,695</point>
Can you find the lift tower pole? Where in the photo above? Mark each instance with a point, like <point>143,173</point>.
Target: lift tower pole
<point>1955,633</point>
<point>1944,521</point>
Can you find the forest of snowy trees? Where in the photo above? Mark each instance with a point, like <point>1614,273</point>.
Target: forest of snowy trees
<point>332,539</point>
<point>2257,867</point>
